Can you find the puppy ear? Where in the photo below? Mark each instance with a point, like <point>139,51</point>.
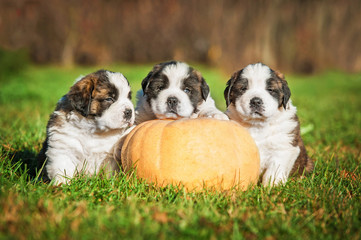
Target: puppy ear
<point>204,86</point>
<point>286,93</point>
<point>80,95</point>
<point>204,89</point>
<point>227,92</point>
<point>280,75</point>
<point>145,82</point>
<point>285,89</point>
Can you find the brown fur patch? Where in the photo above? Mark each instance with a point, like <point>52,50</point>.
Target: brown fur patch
<point>197,74</point>
<point>89,96</point>
<point>200,89</point>
<point>280,75</point>
<point>236,86</point>
<point>274,87</point>
<point>80,94</point>
<point>303,163</point>
<point>102,99</point>
<point>283,86</point>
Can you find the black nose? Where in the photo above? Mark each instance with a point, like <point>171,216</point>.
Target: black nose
<point>256,102</point>
<point>128,113</point>
<point>172,103</point>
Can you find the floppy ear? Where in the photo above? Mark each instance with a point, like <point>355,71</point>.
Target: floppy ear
<point>204,85</point>
<point>279,75</point>
<point>285,89</point>
<point>204,89</point>
<point>227,92</point>
<point>80,95</point>
<point>145,82</point>
<point>286,93</point>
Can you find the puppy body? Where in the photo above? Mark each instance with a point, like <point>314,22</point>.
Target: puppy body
<point>274,141</point>
<point>85,125</point>
<point>258,99</point>
<point>175,90</point>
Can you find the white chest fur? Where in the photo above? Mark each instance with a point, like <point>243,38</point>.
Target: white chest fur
<point>75,146</point>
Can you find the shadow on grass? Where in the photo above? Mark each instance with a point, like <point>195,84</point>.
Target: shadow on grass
<point>27,159</point>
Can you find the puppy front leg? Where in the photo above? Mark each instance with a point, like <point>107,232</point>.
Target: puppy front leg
<point>214,114</point>
<point>273,176</point>
<point>208,109</point>
<point>61,169</point>
<point>280,167</point>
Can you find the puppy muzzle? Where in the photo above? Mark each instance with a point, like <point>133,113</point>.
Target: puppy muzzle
<point>256,105</point>
<point>172,103</point>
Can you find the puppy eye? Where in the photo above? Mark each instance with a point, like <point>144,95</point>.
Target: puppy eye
<point>271,90</point>
<point>243,89</point>
<point>187,90</point>
<point>109,99</point>
<point>160,88</point>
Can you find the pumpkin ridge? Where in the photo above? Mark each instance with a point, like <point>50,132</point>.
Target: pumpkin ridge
<point>253,151</point>
<point>125,151</point>
<point>160,159</point>
<point>146,132</point>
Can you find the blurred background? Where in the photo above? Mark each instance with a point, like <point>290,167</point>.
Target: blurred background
<point>301,36</point>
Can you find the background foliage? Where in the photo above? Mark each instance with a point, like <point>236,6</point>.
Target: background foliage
<point>298,35</point>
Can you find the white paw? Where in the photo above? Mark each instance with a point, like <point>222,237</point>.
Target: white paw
<point>219,116</point>
<point>273,179</point>
<point>59,179</point>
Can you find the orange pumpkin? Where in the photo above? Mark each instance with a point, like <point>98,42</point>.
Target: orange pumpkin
<point>195,153</point>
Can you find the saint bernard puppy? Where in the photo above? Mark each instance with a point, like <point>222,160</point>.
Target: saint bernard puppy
<point>259,99</point>
<point>95,113</point>
<point>175,90</point>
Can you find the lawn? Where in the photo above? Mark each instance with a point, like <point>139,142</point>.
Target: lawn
<point>323,205</point>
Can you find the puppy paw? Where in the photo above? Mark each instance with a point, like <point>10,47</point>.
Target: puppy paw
<point>273,179</point>
<point>217,115</point>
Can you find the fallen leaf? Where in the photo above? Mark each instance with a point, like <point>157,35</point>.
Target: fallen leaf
<point>161,217</point>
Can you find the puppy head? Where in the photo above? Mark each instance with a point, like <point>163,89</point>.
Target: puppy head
<point>257,92</point>
<point>174,90</point>
<point>105,97</point>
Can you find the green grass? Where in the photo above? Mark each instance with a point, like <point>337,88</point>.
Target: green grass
<point>324,205</point>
